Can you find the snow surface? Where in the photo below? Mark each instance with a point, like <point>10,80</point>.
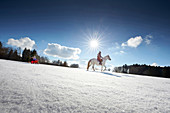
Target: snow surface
<point>27,88</point>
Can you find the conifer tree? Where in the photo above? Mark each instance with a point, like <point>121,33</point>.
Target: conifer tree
<point>33,53</point>
<point>65,64</point>
<point>15,55</point>
<point>10,54</point>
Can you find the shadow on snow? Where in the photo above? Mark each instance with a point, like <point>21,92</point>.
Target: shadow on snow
<point>106,73</point>
<point>110,74</point>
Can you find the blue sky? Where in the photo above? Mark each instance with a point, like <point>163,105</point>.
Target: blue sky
<point>129,31</point>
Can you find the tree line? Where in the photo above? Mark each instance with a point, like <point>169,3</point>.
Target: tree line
<point>9,53</point>
<point>144,70</point>
<point>15,54</point>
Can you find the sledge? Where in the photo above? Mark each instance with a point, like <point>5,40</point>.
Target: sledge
<point>34,61</point>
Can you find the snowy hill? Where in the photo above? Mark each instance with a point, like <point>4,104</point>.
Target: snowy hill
<point>38,88</point>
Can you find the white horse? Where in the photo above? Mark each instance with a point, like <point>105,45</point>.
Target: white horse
<point>94,61</point>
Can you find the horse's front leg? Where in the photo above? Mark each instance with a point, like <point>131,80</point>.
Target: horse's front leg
<point>105,68</point>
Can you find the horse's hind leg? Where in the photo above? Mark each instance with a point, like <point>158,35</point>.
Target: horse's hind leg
<point>93,68</point>
<point>101,68</point>
<point>88,67</point>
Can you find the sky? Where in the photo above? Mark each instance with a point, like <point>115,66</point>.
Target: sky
<point>129,31</point>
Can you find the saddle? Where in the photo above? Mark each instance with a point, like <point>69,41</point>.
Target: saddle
<point>100,62</point>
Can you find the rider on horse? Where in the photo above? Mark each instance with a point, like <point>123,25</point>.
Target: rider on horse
<point>99,58</point>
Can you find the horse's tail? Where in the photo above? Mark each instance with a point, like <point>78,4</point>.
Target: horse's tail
<point>88,65</point>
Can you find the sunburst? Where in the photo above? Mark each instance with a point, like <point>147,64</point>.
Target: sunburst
<point>93,41</point>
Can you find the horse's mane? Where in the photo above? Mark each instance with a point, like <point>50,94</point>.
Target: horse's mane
<point>106,56</point>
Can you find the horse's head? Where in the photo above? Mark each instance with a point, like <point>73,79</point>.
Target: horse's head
<point>108,57</point>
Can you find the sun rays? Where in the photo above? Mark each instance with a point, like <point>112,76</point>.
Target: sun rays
<point>93,41</point>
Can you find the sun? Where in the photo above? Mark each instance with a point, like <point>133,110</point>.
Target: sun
<point>94,43</point>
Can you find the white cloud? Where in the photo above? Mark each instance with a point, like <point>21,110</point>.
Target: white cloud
<point>148,39</point>
<point>124,44</point>
<point>23,43</point>
<point>120,52</point>
<point>133,42</point>
<point>57,50</point>
<point>154,64</point>
<point>117,45</point>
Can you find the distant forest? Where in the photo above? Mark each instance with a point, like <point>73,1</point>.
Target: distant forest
<point>15,54</point>
<point>144,70</point>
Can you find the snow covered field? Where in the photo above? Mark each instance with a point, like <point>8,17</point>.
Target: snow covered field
<point>27,88</point>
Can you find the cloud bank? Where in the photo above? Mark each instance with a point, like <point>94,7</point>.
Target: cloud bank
<point>133,42</point>
<point>23,43</point>
<point>56,50</point>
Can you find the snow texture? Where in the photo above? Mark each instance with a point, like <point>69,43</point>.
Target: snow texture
<point>35,88</point>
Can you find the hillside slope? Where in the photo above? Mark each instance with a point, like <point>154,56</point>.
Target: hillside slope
<point>41,88</point>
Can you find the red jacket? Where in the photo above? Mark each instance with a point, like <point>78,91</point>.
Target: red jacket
<point>99,57</point>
